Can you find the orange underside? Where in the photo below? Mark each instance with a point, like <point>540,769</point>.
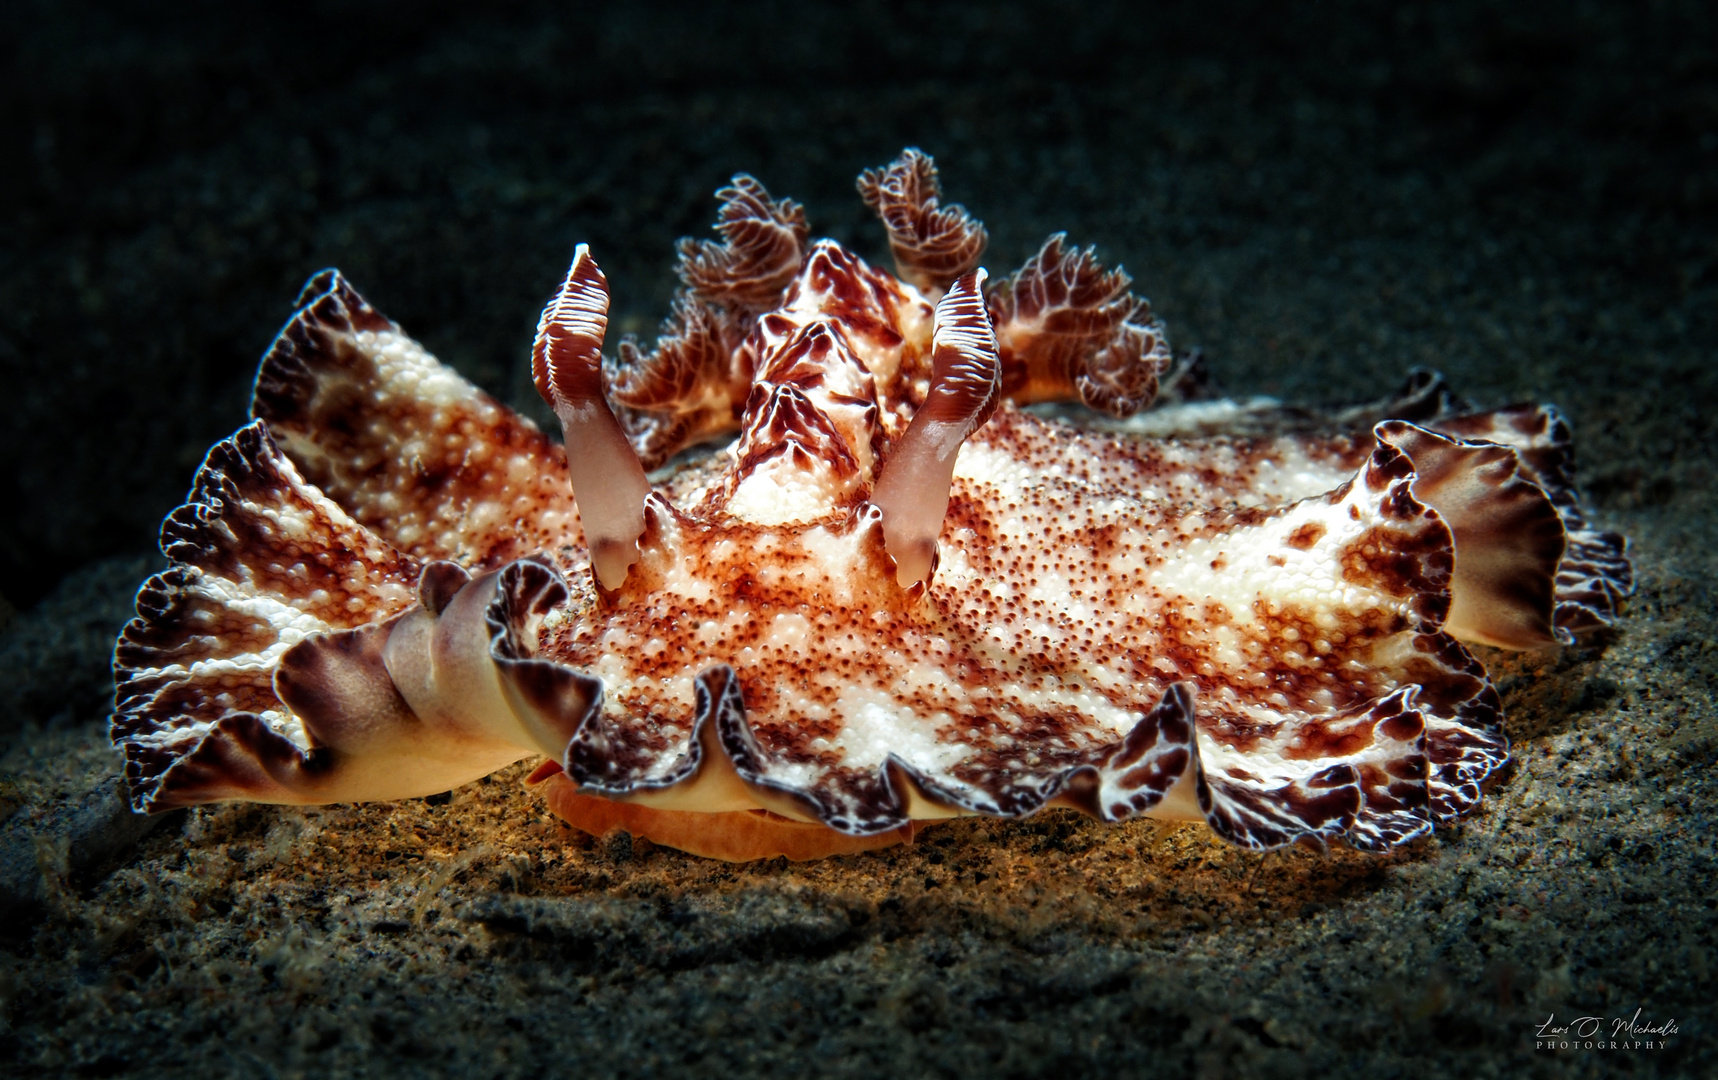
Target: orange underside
<point>733,836</point>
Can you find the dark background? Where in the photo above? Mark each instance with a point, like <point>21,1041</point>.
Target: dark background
<point>1523,195</point>
<point>1320,197</point>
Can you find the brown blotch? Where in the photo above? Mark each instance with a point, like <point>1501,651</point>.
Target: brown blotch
<point>1303,538</point>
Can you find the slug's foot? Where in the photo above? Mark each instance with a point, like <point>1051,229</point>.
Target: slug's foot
<point>732,836</point>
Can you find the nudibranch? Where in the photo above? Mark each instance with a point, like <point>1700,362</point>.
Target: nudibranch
<point>848,552</point>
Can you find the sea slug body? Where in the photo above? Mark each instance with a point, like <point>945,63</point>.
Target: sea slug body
<point>848,552</point>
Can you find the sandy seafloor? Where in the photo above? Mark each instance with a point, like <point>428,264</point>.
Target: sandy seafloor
<point>1524,197</point>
